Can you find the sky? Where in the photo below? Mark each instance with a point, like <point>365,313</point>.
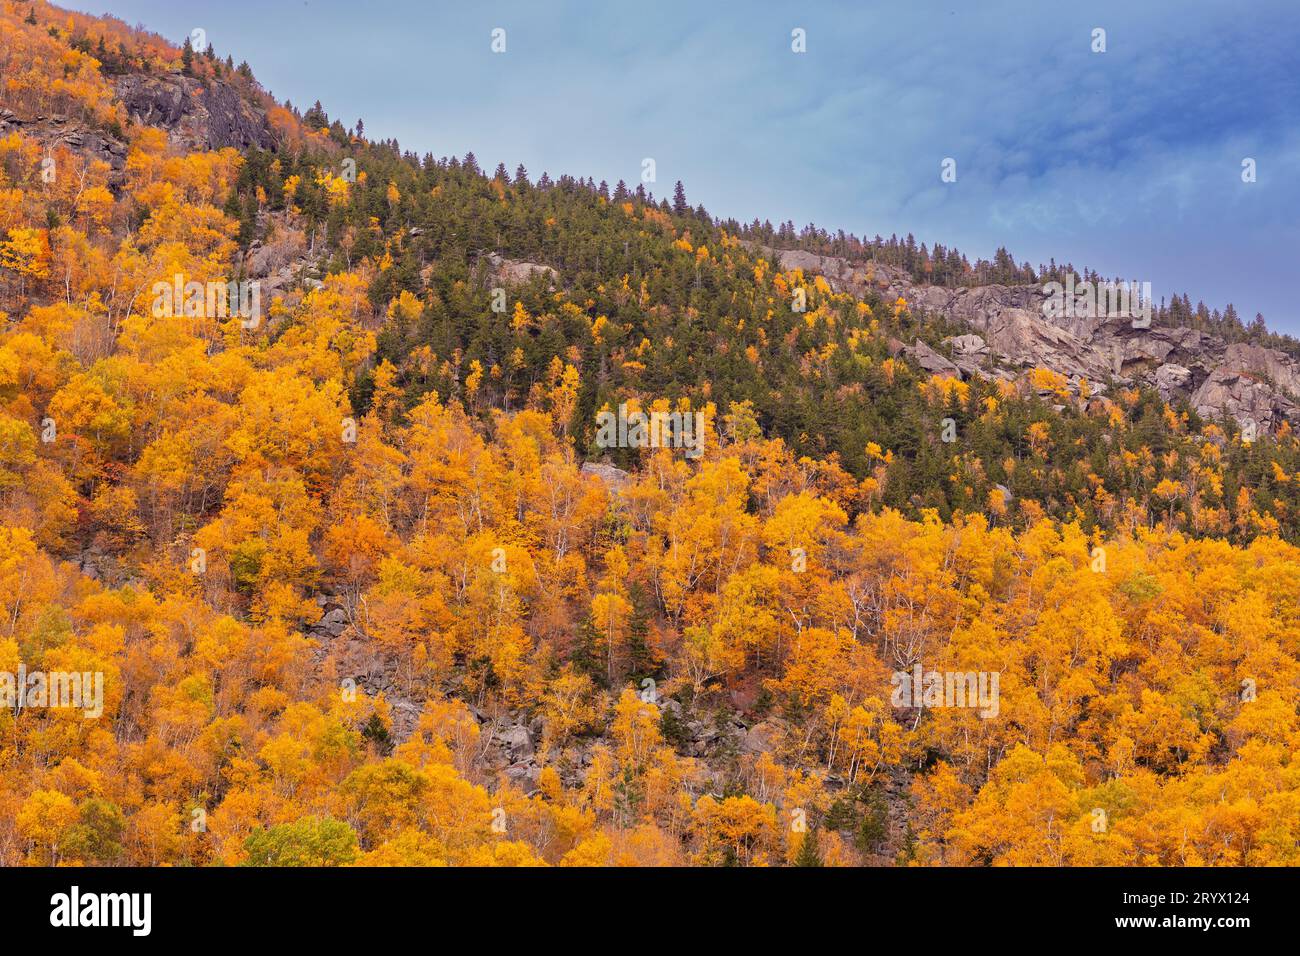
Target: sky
<point>1127,161</point>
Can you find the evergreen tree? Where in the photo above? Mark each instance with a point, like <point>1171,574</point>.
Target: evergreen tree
<point>638,643</point>
<point>809,853</point>
<point>316,118</point>
<point>586,655</point>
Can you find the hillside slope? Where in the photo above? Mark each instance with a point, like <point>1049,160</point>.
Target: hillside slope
<point>370,579</point>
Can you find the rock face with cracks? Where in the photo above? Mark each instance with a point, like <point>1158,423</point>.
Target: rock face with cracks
<point>196,116</point>
<point>1011,331</point>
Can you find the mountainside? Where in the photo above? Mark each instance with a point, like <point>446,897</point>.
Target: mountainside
<point>419,515</point>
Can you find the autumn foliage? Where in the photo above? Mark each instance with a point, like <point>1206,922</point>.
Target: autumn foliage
<point>692,664</point>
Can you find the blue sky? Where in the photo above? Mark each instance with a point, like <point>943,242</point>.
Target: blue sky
<point>1128,161</point>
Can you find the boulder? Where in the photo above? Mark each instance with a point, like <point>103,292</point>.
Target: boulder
<point>515,271</point>
<point>333,622</point>
<point>524,775</point>
<point>932,361</point>
<point>517,740</point>
<point>970,346</point>
<point>763,737</point>
<point>614,478</point>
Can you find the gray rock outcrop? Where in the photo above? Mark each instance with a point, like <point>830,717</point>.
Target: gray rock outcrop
<point>1257,387</point>
<point>55,131</point>
<point>196,116</point>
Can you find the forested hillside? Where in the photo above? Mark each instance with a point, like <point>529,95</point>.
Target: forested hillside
<point>356,599</point>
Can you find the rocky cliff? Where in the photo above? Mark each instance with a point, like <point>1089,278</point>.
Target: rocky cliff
<point>55,130</point>
<point>196,116</point>
<point>1011,331</point>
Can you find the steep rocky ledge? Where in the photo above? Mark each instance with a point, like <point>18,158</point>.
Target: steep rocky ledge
<point>1011,332</point>
<point>195,116</point>
<point>55,130</point>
